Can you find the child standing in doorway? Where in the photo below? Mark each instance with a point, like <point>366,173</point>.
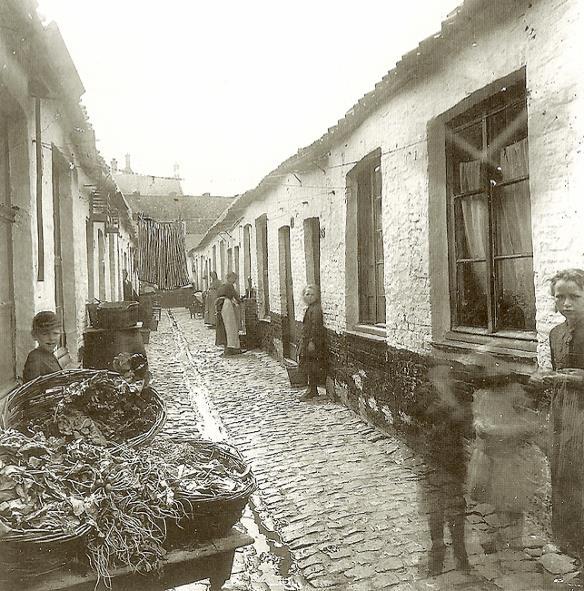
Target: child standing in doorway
<point>312,358</point>
<point>46,330</point>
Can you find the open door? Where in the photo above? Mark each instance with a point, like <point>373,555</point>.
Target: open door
<point>287,294</point>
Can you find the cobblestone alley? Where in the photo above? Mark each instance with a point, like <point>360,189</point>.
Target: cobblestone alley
<point>341,504</point>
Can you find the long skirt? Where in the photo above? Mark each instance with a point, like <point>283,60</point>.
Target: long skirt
<point>210,316</point>
<point>567,467</point>
<point>228,322</point>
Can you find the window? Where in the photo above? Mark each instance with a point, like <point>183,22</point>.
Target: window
<point>370,241</point>
<point>489,217</point>
<point>214,259</point>
<point>262,257</point>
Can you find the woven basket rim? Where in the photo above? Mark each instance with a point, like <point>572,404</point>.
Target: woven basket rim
<point>227,451</point>
<point>67,376</point>
<point>56,535</point>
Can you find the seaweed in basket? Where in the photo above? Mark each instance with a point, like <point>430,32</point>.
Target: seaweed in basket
<point>103,408</point>
<point>120,500</point>
<point>195,472</point>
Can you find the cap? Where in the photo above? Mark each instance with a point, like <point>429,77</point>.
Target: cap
<point>45,321</point>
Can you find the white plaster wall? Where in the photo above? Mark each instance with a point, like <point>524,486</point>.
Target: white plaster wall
<point>506,38</point>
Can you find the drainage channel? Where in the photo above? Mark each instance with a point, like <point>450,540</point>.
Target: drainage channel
<point>269,563</point>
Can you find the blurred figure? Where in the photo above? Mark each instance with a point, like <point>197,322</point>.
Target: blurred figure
<point>128,289</point>
<point>210,317</point>
<point>502,472</point>
<point>446,406</point>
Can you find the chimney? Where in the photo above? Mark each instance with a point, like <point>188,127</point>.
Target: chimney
<point>114,166</point>
<point>176,171</point>
<point>128,164</point>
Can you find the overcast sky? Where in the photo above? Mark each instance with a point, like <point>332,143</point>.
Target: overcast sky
<point>229,89</point>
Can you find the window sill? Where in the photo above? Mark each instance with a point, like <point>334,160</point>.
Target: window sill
<point>366,331</point>
<point>526,342</point>
<point>524,360</point>
<point>267,320</point>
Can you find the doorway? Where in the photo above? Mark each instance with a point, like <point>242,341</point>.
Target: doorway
<point>236,267</point>
<point>101,264</point>
<point>60,184</point>
<point>312,250</point>
<point>290,348</point>
<point>7,300</point>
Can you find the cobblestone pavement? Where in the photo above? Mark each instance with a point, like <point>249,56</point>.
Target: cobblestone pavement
<point>347,501</point>
<point>254,568</point>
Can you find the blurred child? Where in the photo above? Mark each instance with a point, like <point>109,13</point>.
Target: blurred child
<point>502,472</point>
<point>446,404</point>
<point>312,354</point>
<point>46,330</point>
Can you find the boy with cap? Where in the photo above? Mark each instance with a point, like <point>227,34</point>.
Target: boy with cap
<point>46,330</point>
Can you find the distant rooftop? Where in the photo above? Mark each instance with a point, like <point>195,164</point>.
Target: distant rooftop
<point>133,183</point>
<point>146,184</point>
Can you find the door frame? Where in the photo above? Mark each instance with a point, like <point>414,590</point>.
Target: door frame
<point>57,170</point>
<point>311,227</point>
<point>7,218</point>
<point>289,344</point>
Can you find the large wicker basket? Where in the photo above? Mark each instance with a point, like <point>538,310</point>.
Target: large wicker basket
<point>39,398</point>
<point>26,555</point>
<point>211,515</point>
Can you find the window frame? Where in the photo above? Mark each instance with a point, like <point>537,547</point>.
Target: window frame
<point>482,113</point>
<point>369,166</point>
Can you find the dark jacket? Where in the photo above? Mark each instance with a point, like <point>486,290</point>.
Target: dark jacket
<point>567,346</point>
<point>129,293</point>
<point>313,332</point>
<point>227,290</point>
<point>39,363</point>
<point>315,363</point>
<point>448,425</point>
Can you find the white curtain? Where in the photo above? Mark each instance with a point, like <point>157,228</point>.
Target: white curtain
<point>475,214</point>
<point>514,231</point>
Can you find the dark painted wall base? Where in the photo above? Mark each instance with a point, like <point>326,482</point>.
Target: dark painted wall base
<point>373,379</point>
<point>388,387</point>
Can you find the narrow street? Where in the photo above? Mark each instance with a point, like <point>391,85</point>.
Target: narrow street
<point>339,503</point>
